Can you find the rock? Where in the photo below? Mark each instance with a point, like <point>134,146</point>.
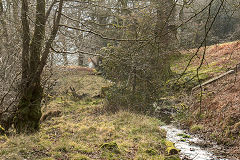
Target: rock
<point>171,149</point>
<point>172,157</point>
<point>151,152</point>
<point>186,158</point>
<point>183,135</point>
<point>2,130</point>
<point>111,146</point>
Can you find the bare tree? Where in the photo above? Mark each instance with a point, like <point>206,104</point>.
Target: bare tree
<point>34,58</point>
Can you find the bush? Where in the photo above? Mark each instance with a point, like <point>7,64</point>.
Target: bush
<point>137,83</point>
<point>123,98</point>
<point>139,69</point>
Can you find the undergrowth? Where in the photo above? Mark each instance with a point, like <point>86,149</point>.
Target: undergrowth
<point>84,130</point>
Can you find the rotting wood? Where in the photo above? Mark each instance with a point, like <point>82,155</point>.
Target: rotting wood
<point>214,79</point>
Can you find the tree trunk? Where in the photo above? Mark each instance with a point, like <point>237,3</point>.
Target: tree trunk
<point>165,17</point>
<point>34,58</point>
<point>29,109</point>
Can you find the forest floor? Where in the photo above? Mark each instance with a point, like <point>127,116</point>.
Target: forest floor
<point>75,128</point>
<point>219,119</point>
<point>79,127</point>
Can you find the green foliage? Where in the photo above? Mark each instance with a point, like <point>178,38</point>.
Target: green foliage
<point>139,78</point>
<point>139,68</point>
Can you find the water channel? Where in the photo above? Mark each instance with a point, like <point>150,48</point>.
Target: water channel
<point>188,145</point>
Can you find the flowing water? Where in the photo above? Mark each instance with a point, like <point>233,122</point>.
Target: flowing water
<point>188,147</point>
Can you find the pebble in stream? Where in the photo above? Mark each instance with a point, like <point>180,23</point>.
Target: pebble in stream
<point>188,151</point>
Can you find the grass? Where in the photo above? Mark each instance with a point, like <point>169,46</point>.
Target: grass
<point>195,128</point>
<point>86,131</point>
<point>218,59</point>
<point>190,77</point>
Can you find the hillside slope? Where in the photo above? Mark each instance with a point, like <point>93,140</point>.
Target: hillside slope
<point>221,113</point>
<point>218,59</point>
<point>220,116</point>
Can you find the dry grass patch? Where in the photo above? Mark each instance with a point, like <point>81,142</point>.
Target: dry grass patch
<point>84,130</point>
<point>62,138</point>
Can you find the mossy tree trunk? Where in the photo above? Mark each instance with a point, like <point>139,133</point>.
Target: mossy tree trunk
<point>34,58</point>
<point>29,109</point>
<point>163,34</point>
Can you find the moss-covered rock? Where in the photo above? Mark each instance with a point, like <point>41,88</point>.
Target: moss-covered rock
<point>172,157</point>
<point>151,152</point>
<point>171,149</point>
<point>2,130</point>
<point>111,146</point>
<point>183,135</point>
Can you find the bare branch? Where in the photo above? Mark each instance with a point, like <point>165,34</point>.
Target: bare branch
<point>77,52</point>
<point>100,35</point>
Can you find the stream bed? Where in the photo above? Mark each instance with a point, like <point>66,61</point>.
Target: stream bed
<point>188,145</point>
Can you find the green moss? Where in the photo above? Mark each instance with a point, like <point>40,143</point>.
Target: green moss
<point>172,157</point>
<point>111,146</point>
<point>2,130</point>
<point>190,78</point>
<point>183,135</point>
<point>78,157</point>
<point>151,152</point>
<point>195,128</point>
<point>182,140</point>
<point>171,149</point>
<point>82,127</point>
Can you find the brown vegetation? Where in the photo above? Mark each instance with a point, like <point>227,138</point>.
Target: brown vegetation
<point>220,106</point>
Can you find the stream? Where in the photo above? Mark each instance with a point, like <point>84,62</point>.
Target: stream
<point>188,145</point>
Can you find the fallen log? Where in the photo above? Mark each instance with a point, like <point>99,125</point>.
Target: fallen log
<point>214,79</point>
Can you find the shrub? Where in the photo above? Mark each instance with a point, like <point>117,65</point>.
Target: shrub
<point>138,83</point>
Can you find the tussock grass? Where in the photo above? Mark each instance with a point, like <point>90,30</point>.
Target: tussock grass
<point>84,127</point>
